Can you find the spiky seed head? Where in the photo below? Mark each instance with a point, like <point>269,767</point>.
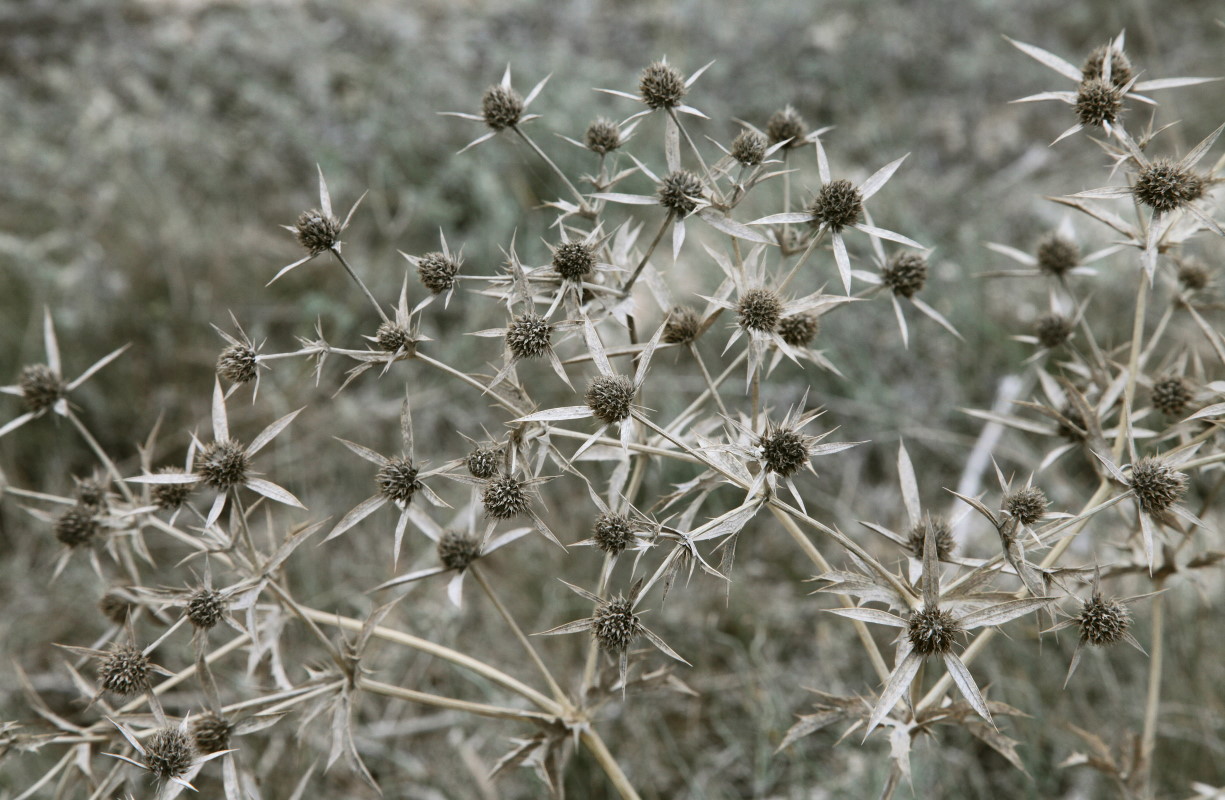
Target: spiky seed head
<point>1165,186</point>
<point>603,136</point>
<point>316,231</point>
<point>1057,255</point>
<point>574,260</point>
<point>437,272</point>
<point>784,124</point>
<point>223,464</point>
<point>609,397</point>
<point>749,148</point>
<point>397,480</point>
<point>529,336</point>
<point>1053,330</point>
<point>680,192</point>
<point>1193,274</point>
<point>613,532</point>
<point>1157,485</point>
<point>482,462</point>
<point>905,273</point>
<point>661,86</point>
<point>1076,431</point>
<point>1120,66</point>
<point>798,330</point>
<point>169,496</point>
<point>211,733</point>
<point>783,451</point>
<point>1171,395</point>
<point>124,671</point>
<point>168,753</point>
<point>616,626</point>
<point>932,631</point>
<point>91,493</point>
<point>40,387</point>
<point>501,107</point>
<point>457,550</point>
<point>504,497</point>
<point>237,364</point>
<point>1103,622</point>
<point>205,608</point>
<point>940,529</point>
<point>115,607</point>
<point>391,336</point>
<point>1098,103</point>
<point>838,205</point>
<point>760,310</point>
<point>77,526</point>
<point>1027,504</point>
<point>682,326</point>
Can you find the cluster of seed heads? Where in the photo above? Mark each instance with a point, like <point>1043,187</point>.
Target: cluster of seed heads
<point>316,231</point>
<point>783,451</point>
<point>124,671</point>
<point>609,397</point>
<point>457,550</point>
<point>1026,505</point>
<point>936,527</point>
<point>40,387</point>
<point>760,310</point>
<point>1098,103</point>
<point>661,86</point>
<point>1193,274</point>
<point>1103,622</point>
<point>932,631</point>
<point>1171,395</point>
<point>397,480</point>
<point>483,462</point>
<point>786,125</point>
<point>205,607</point>
<point>680,192</point>
<point>501,107</point>
<point>223,464</point>
<point>1053,330</point>
<point>683,325</point>
<point>616,626</point>
<point>504,497</point>
<point>237,364</point>
<point>1157,485</point>
<point>437,272</point>
<point>211,733</point>
<point>798,330</point>
<point>115,607</point>
<point>77,526</point>
<point>169,496</point>
<point>1057,255</point>
<point>528,336</point>
<point>905,274</point>
<point>391,336</point>
<point>574,260</point>
<point>837,205</point>
<point>168,753</point>
<point>613,532</point>
<point>603,136</point>
<point>1120,66</point>
<point>749,148</point>
<point>1165,186</point>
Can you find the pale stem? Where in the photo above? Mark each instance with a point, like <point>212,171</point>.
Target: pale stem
<point>360,284</point>
<point>582,201</point>
<point>438,701</point>
<point>473,382</point>
<point>710,384</point>
<point>1152,705</point>
<point>709,178</point>
<point>609,764</point>
<point>102,456</point>
<point>704,396</point>
<point>1133,367</point>
<point>629,284</point>
<point>593,649</point>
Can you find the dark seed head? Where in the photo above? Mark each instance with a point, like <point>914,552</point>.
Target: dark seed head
<point>783,451</point>
<point>603,136</point>
<point>838,205</point>
<point>1157,485</point>
<point>1077,430</point>
<point>124,671</point>
<point>799,330</point>
<point>1171,395</point>
<point>940,529</point>
<point>786,124</point>
<point>211,733</point>
<point>1053,330</point>
<point>932,631</point>
<point>115,607</point>
<point>504,497</point>
<point>482,462</point>
<point>680,192</point>
<point>574,260</point>
<point>316,231</point>
<point>613,533</point>
<point>1103,622</point>
<point>205,608</point>
<point>616,626</point>
<point>391,336</point>
<point>528,336</point>
<point>457,550</point>
<point>501,107</point>
<point>237,364</point>
<point>77,526</point>
<point>223,464</point>
<point>168,753</point>
<point>397,480</point>
<point>760,310</point>
<point>609,397</point>
<point>1027,505</point>
<point>91,493</point>
<point>40,387</point>
<point>661,86</point>
<point>1098,103</point>
<point>1120,66</point>
<point>437,272</point>
<point>1057,255</point>
<point>169,496</point>
<point>1193,274</point>
<point>749,148</point>
<point>1165,186</point>
<point>682,326</point>
<point>905,274</point>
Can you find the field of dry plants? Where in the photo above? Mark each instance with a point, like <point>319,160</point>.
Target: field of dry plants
<point>828,405</point>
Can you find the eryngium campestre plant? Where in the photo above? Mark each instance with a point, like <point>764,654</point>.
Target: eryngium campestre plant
<point>680,192</point>
<point>932,631</point>
<point>615,625</point>
<point>682,326</point>
<point>316,231</point>
<point>504,497</point>
<point>1156,484</point>
<point>397,480</point>
<point>204,608</point>
<point>783,451</point>
<point>1120,66</point>
<point>40,387</point>
<point>76,526</point>
<point>609,397</point>
<point>1098,103</point>
<point>749,148</point>
<point>456,550</point>
<point>1171,395</point>
<point>661,86</point>
<point>612,532</point>
<point>124,671</point>
<point>603,136</point>
<point>1103,622</point>
<point>169,496</point>
<point>760,310</point>
<point>390,336</point>
<point>798,330</point>
<point>502,107</point>
<point>905,273</point>
<point>211,733</point>
<point>1053,330</point>
<point>1165,186</point>
<point>1057,255</point>
<point>168,753</point>
<point>940,530</point>
<point>237,364</point>
<point>528,336</point>
<point>223,464</point>
<point>786,125</point>
<point>837,205</point>
<point>574,260</point>
<point>1026,505</point>
<point>437,272</point>
<point>483,462</point>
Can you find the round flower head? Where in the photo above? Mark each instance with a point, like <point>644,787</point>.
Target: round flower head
<point>317,231</point>
<point>223,464</point>
<point>529,336</point>
<point>749,148</point>
<point>1192,274</point>
<point>169,496</point>
<point>501,107</point>
<point>1171,395</point>
<point>613,532</point>
<point>504,497</point>
<point>799,330</point>
<point>397,480</point>
<point>204,608</point>
<point>760,309</point>
<point>482,462</point>
<point>124,671</point>
<point>661,86</point>
<point>115,607</point>
<point>679,192</point>
<point>1157,485</point>
<point>1057,255</point>
<point>211,733</point>
<point>609,397</point>
<point>940,531</point>
<point>391,336</point>
<point>1098,103</point>
<point>932,631</point>
<point>574,260</point>
<point>1053,330</point>
<point>91,493</point>
<point>615,625</point>
<point>168,753</point>
<point>603,136</point>
<point>457,550</point>
<point>682,326</point>
<point>838,205</point>
<point>905,273</point>
<point>1103,622</point>
<point>783,451</point>
<point>1074,428</point>
<point>1026,505</point>
<point>437,272</point>
<point>77,526</point>
<point>237,364</point>
<point>40,387</point>
<point>1165,186</point>
<point>1120,66</point>
<point>786,124</point>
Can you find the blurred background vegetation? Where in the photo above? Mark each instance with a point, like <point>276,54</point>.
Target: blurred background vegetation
<point>151,150</point>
